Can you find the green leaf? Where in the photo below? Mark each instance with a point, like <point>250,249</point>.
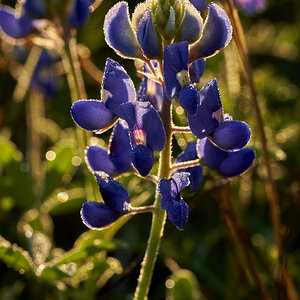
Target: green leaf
<point>15,257</point>
<point>79,254</point>
<point>8,151</point>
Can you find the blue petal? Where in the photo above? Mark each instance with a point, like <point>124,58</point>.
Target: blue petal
<point>118,31</point>
<point>199,4</point>
<point>237,162</point>
<point>209,112</point>
<point>217,33</point>
<point>114,195</point>
<point>92,115</point>
<point>181,180</point>
<point>35,8</point>
<point>12,26</point>
<point>191,26</point>
<point>143,159</point>
<point>189,98</point>
<point>196,70</point>
<point>176,59</point>
<point>189,153</point>
<point>98,160</point>
<point>178,213</point>
<point>231,135</point>
<point>212,155</point>
<point>97,215</point>
<point>142,116</point>
<point>250,7</point>
<point>168,194</point>
<point>117,87</point>
<point>80,13</point>
<point>148,38</point>
<point>120,149</point>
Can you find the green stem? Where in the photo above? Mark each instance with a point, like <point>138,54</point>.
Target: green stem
<point>76,85</point>
<point>158,219</point>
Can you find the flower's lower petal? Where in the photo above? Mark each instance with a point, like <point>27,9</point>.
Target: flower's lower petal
<point>97,215</point>
<point>189,98</point>
<point>147,37</point>
<point>196,177</point>
<point>196,70</point>
<point>212,155</point>
<point>114,195</point>
<point>237,162</point>
<point>143,159</point>
<point>231,135</point>
<point>209,112</point>
<point>118,31</point>
<point>80,13</point>
<point>120,149</point>
<point>98,160</point>
<point>191,26</point>
<point>217,33</point>
<point>181,180</point>
<point>12,26</point>
<point>36,9</point>
<point>92,115</point>
<point>117,87</point>
<point>176,75</point>
<point>178,213</point>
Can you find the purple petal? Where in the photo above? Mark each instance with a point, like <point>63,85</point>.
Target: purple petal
<point>114,195</point>
<point>97,215</point>
<point>80,13</point>
<point>147,37</point>
<point>209,112</point>
<point>176,59</point>
<point>117,87</point>
<point>120,149</point>
<point>168,194</point>
<point>196,70</point>
<point>217,33</point>
<point>250,7</point>
<point>178,213</point>
<point>143,159</point>
<point>191,26</point>
<point>118,31</point>
<point>12,26</point>
<point>98,159</point>
<point>181,180</point>
<point>92,115</point>
<point>189,98</point>
<point>35,8</point>
<point>189,153</point>
<point>237,162</point>
<point>231,135</point>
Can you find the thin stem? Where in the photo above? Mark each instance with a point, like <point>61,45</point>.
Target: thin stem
<point>186,164</point>
<point>158,220</point>
<point>181,129</point>
<point>142,209</point>
<point>76,85</point>
<point>288,287</point>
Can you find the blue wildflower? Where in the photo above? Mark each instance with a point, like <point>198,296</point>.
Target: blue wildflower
<point>115,161</point>
<point>229,164</point>
<point>98,215</point>
<point>251,7</point>
<point>171,201</point>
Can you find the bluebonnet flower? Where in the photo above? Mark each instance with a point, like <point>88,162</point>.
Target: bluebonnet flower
<point>196,174</point>
<point>143,35</point>
<point>147,133</point>
<point>209,121</point>
<point>115,161</point>
<point>99,215</point>
<point>19,24</point>
<point>229,164</point>
<point>171,200</point>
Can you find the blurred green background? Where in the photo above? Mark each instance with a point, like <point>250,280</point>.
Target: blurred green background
<point>201,262</point>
